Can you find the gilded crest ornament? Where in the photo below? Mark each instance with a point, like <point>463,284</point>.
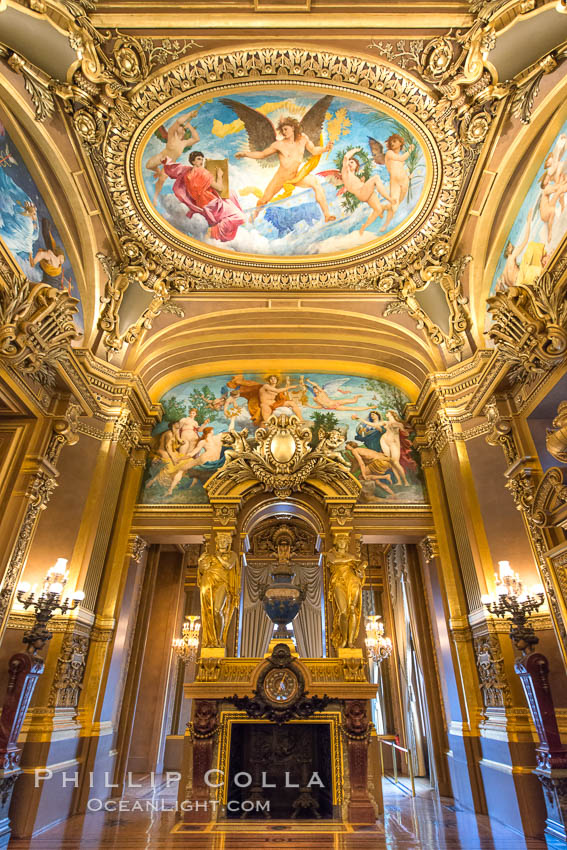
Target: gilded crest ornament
<point>282,460</point>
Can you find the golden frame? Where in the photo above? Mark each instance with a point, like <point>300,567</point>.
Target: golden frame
<point>331,718</point>
<point>386,242</point>
<point>391,89</point>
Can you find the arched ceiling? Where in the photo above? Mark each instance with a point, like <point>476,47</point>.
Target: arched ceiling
<point>88,92</point>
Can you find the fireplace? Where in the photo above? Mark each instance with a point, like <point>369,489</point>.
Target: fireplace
<point>280,772</point>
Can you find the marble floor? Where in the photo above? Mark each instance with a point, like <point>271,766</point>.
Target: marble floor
<point>425,822</point>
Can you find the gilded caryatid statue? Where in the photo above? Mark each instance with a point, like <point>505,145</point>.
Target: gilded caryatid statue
<point>218,577</point>
<point>346,579</point>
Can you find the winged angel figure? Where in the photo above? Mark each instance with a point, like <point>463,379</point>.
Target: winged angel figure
<point>297,137</point>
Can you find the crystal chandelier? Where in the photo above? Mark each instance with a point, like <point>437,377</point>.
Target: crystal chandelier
<point>187,645</point>
<point>512,601</point>
<point>377,646</point>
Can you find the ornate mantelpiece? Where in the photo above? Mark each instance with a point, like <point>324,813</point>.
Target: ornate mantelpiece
<point>229,691</point>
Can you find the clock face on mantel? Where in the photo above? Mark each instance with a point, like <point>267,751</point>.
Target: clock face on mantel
<point>281,686</point>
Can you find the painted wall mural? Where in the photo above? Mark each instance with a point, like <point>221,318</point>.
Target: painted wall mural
<point>26,226</point>
<point>540,224</point>
<point>283,172</point>
<point>187,446</point>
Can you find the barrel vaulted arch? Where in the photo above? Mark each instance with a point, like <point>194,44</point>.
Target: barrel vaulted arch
<point>323,338</point>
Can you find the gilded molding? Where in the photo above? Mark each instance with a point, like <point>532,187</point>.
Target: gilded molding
<point>111,139</point>
<point>36,324</point>
<point>494,685</point>
<point>556,438</point>
<point>500,431</point>
<point>435,270</point>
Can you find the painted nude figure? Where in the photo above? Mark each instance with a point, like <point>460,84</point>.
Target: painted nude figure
<point>512,253</point>
<point>399,174</point>
<point>176,144</point>
<point>296,137</point>
<point>373,465</point>
<point>290,150</point>
<point>364,190</point>
<point>325,402</point>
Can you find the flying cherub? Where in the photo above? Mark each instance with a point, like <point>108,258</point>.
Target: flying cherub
<point>347,180</point>
<point>175,144</point>
<point>296,138</point>
<point>324,401</point>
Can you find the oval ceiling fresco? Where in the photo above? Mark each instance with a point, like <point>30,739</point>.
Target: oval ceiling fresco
<point>282,172</point>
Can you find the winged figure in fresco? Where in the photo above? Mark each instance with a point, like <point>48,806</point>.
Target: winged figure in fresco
<point>366,191</point>
<point>176,142</point>
<point>289,141</point>
<point>324,401</point>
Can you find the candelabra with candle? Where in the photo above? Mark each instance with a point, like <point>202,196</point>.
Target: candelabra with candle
<point>46,604</point>
<point>377,646</point>
<point>516,604</point>
<point>187,645</point>
<point>513,602</point>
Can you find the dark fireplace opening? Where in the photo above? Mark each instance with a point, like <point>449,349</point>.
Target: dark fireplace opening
<point>280,772</point>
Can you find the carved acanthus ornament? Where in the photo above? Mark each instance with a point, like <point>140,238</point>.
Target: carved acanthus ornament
<point>490,665</point>
<point>140,270</point>
<point>500,431</point>
<point>434,270</point>
<point>36,324</point>
<point>529,324</point>
<point>429,548</point>
<point>136,547</point>
<point>282,460</point>
<point>549,506</point>
<point>556,438</point>
<point>68,681</point>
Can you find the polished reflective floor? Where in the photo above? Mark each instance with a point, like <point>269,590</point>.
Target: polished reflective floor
<point>425,822</point>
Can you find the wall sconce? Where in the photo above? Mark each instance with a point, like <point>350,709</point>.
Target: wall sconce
<point>377,646</point>
<point>187,645</point>
<point>516,604</point>
<point>45,605</point>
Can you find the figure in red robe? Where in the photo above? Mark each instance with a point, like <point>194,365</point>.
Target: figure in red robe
<point>195,187</point>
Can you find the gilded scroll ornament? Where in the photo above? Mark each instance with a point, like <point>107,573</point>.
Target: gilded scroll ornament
<point>346,579</point>
<point>529,324</point>
<point>36,324</point>
<point>435,271</point>
<point>556,438</point>
<point>218,576</point>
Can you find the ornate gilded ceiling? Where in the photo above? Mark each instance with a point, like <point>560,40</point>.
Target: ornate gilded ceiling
<point>378,221</point>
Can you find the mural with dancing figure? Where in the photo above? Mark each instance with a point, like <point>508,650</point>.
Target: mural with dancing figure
<point>283,172</point>
<point>541,223</point>
<point>26,226</point>
<point>187,445</point>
